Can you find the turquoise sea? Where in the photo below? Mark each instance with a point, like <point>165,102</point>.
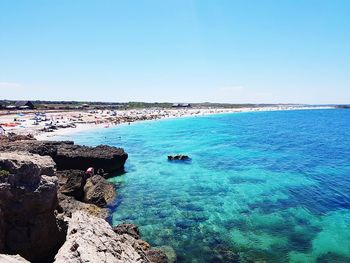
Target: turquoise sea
<point>261,186</point>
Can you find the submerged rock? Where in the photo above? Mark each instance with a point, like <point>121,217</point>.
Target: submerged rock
<point>129,229</point>
<point>169,252</point>
<point>156,256</point>
<point>91,239</point>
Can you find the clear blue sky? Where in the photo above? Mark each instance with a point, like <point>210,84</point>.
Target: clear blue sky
<point>259,51</point>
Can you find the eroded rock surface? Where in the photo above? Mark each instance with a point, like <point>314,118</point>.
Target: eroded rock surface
<point>25,162</point>
<point>92,239</point>
<point>72,182</point>
<point>28,201</point>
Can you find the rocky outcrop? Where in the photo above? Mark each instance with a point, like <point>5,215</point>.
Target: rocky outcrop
<point>98,191</point>
<point>37,147</point>
<point>69,156</point>
<point>110,159</point>
<point>28,201</point>
<point>38,204</point>
<point>71,183</point>
<point>90,239</point>
<point>18,162</point>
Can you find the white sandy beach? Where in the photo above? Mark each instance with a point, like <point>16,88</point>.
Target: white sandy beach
<point>47,125</point>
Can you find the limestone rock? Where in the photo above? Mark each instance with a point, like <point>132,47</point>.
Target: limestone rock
<point>91,239</point>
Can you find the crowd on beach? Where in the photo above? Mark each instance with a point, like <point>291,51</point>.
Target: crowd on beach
<point>47,124</point>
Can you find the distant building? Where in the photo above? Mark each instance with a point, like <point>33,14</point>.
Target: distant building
<point>25,104</point>
<point>181,105</point>
<point>11,107</point>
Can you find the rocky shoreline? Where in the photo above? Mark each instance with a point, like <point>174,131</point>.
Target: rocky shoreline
<point>51,210</point>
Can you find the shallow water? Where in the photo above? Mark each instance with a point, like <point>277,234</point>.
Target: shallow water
<point>271,186</point>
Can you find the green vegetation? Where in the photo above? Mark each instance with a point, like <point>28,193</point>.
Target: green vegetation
<point>4,173</point>
<point>89,105</point>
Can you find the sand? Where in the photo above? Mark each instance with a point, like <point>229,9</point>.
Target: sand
<point>47,125</point>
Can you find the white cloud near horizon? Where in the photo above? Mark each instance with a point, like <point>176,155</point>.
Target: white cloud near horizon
<point>8,85</point>
<point>240,94</point>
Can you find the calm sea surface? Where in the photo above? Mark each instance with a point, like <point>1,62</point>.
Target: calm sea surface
<point>271,186</point>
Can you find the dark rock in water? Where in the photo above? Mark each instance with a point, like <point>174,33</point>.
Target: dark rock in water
<point>129,229</point>
<point>169,252</point>
<point>156,256</point>
<point>98,191</point>
<point>71,182</point>
<point>179,157</point>
<point>110,159</point>
<point>28,201</point>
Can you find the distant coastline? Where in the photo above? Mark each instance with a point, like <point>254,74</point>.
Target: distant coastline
<point>44,125</point>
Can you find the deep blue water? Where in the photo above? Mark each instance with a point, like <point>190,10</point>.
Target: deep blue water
<point>268,186</point>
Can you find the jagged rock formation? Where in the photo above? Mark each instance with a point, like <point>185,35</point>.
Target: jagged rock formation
<point>91,239</point>
<point>38,204</point>
<point>28,201</point>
